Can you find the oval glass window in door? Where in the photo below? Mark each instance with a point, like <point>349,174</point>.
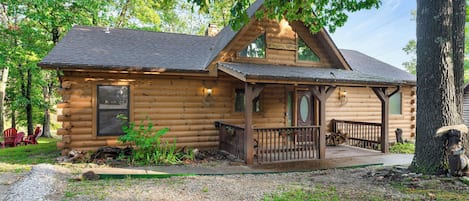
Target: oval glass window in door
<point>304,108</point>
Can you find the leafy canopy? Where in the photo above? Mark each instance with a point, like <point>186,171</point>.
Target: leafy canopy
<point>314,13</point>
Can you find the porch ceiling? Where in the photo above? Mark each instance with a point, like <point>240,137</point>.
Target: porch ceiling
<point>302,75</point>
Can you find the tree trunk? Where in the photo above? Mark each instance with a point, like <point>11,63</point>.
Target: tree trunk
<point>436,95</point>
<point>13,119</point>
<point>29,107</point>
<point>47,93</point>
<point>2,97</point>
<point>459,20</point>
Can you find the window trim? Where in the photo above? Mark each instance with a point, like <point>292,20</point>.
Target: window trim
<point>97,109</point>
<point>239,56</point>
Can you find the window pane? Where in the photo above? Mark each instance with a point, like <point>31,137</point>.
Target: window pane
<point>304,109</point>
<point>109,124</point>
<point>305,53</point>
<point>290,109</point>
<point>256,49</point>
<point>395,106</point>
<point>113,97</point>
<point>239,100</point>
<point>111,101</point>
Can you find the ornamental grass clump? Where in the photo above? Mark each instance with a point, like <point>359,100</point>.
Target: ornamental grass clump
<point>148,146</point>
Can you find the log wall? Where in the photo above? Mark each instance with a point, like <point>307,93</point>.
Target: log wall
<point>281,44</point>
<point>363,105</point>
<point>180,105</point>
<point>175,103</point>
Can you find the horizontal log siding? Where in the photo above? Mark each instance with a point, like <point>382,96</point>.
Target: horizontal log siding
<point>173,103</point>
<point>363,105</point>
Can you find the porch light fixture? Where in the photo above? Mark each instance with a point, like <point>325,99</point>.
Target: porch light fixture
<point>208,98</point>
<point>208,92</point>
<point>342,96</point>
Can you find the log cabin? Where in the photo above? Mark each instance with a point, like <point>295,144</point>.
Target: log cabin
<point>268,92</point>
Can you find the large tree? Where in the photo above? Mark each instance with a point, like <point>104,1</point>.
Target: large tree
<point>440,52</point>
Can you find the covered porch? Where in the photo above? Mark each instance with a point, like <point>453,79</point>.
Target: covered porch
<point>305,139</point>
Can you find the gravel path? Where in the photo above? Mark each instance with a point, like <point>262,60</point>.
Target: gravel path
<point>43,183</point>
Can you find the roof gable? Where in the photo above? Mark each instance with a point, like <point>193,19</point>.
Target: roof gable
<point>281,42</point>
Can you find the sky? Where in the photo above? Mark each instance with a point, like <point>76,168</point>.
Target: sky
<point>380,33</point>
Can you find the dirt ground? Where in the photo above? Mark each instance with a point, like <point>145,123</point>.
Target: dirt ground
<point>371,183</point>
<point>368,183</point>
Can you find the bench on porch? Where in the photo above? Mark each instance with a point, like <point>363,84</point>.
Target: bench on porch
<point>360,134</point>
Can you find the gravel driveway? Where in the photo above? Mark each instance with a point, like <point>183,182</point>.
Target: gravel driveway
<point>48,182</point>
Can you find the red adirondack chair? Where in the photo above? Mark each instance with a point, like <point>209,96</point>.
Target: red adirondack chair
<point>19,138</point>
<point>9,136</point>
<point>32,139</point>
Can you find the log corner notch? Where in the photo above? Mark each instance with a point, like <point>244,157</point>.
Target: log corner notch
<point>383,95</point>
<point>322,93</point>
<point>251,91</point>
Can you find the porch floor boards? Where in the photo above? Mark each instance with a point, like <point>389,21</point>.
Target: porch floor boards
<point>332,152</point>
<point>343,151</point>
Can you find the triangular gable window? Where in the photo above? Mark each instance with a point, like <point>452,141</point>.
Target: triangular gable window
<point>305,53</point>
<point>256,49</point>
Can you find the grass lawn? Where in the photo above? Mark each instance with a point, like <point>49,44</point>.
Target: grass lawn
<point>14,158</point>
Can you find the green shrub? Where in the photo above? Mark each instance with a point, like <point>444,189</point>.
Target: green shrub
<point>405,148</point>
<point>149,147</point>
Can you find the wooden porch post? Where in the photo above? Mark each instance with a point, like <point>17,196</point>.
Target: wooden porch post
<point>248,138</point>
<point>322,94</point>
<point>383,96</point>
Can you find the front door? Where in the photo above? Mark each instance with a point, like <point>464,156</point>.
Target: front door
<point>305,108</point>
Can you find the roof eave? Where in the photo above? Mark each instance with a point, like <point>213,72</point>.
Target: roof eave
<point>82,67</point>
<point>276,79</point>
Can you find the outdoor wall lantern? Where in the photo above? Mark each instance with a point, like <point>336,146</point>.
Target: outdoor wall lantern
<point>208,92</point>
<point>208,98</point>
<point>342,96</point>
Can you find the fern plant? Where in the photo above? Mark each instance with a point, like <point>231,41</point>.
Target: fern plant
<point>148,147</point>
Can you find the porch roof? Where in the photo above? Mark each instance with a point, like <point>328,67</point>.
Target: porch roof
<point>249,72</point>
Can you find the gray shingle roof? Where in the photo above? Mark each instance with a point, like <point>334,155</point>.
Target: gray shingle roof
<point>92,48</point>
<point>124,49</point>
<point>366,64</point>
<point>291,73</point>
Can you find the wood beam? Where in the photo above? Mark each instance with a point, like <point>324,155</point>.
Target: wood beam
<point>322,93</point>
<point>256,91</point>
<point>383,96</point>
<point>248,132</point>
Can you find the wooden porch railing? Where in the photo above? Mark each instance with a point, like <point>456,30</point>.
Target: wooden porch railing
<point>286,144</point>
<point>271,144</point>
<point>231,138</point>
<point>360,134</point>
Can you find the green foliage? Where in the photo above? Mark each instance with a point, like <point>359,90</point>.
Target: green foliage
<point>404,148</point>
<point>411,49</point>
<point>43,152</point>
<point>150,148</point>
<point>314,13</point>
<point>318,194</point>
